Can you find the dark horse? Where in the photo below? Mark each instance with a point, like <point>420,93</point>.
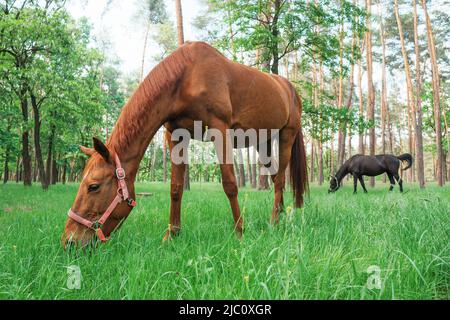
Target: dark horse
<point>361,165</point>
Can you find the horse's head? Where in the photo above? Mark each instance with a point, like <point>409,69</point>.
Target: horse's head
<point>101,191</point>
<point>334,184</point>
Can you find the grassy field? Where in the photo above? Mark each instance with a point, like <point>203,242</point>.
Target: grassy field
<point>320,252</point>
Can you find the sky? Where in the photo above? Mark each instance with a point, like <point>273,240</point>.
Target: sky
<point>119,25</point>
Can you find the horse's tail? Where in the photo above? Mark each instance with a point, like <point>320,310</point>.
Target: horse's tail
<point>298,168</point>
<point>408,158</point>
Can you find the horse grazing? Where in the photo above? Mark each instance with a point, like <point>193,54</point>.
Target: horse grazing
<point>194,83</point>
<point>361,165</point>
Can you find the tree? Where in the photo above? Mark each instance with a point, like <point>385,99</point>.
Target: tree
<point>150,12</point>
<point>436,97</point>
<point>180,38</point>
<point>418,107</point>
<point>370,87</point>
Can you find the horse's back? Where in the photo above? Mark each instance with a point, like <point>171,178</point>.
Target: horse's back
<point>374,165</point>
<point>245,96</point>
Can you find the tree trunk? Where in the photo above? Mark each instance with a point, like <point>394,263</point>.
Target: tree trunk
<point>348,104</point>
<point>26,158</point>
<point>342,126</point>
<point>249,168</point>
<point>312,161</point>
<point>254,168</point>
<point>409,85</point>
<point>383,88</point>
<point>361,104</point>
<point>180,31</point>
<point>436,98</point>
<point>54,173</point>
<point>147,31</point>
<point>241,168</point>
<point>6,168</point>
<point>370,88</point>
<point>63,178</point>
<point>418,108</point>
<point>180,39</point>
<point>49,153</point>
<point>37,143</point>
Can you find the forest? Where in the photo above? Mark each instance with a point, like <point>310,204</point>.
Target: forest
<point>374,78</point>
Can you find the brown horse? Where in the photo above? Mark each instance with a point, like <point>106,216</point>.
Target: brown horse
<point>195,82</point>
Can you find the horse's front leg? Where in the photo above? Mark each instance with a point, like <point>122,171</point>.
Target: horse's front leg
<point>355,183</point>
<point>224,150</point>
<point>176,193</point>
<point>361,180</point>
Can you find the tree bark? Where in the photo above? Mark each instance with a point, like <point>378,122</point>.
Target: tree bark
<point>6,168</point>
<point>418,108</point>
<point>254,168</point>
<point>241,168</point>
<point>37,143</point>
<point>383,88</point>
<point>147,31</point>
<point>342,126</point>
<point>26,158</point>
<point>409,85</point>
<point>180,39</point>
<point>249,168</point>
<point>361,105</point>
<point>50,153</point>
<point>370,88</point>
<point>436,98</point>
<point>180,31</point>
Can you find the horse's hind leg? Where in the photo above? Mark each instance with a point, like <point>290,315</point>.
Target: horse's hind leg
<point>361,180</point>
<point>287,137</point>
<point>399,180</point>
<point>392,181</point>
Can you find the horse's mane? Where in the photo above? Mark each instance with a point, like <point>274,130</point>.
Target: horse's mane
<point>133,116</point>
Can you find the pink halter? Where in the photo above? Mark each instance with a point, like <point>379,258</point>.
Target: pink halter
<point>122,195</point>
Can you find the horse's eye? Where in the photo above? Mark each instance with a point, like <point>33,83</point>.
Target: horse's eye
<point>93,187</point>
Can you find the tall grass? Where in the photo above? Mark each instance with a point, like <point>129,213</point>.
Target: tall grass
<point>322,251</point>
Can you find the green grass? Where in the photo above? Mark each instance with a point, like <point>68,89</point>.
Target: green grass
<point>320,252</point>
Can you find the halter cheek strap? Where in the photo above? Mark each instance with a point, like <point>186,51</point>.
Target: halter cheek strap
<point>122,195</point>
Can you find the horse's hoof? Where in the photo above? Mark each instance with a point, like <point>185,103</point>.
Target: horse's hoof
<point>170,234</point>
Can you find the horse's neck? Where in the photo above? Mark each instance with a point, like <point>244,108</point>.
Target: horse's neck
<point>342,172</point>
<point>137,124</point>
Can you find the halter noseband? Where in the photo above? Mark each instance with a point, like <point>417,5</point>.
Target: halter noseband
<point>337,182</point>
<point>122,195</point>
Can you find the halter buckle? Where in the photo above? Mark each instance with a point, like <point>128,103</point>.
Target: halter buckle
<point>96,225</point>
<point>120,173</point>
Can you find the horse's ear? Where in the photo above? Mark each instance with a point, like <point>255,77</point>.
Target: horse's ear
<point>87,151</point>
<point>101,148</point>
